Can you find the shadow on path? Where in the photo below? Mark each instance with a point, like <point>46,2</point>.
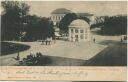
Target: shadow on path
<point>54,61</point>
<point>109,42</point>
<point>114,55</point>
<point>10,48</point>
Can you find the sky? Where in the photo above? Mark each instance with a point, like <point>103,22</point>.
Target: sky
<point>98,8</point>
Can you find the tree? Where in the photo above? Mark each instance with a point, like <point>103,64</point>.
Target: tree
<point>38,28</point>
<point>114,25</point>
<point>85,19</point>
<point>12,20</point>
<point>67,19</point>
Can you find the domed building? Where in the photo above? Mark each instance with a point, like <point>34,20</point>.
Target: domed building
<point>58,14</point>
<point>79,30</point>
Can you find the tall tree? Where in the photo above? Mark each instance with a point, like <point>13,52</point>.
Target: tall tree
<point>85,18</point>
<point>98,23</point>
<point>12,20</point>
<point>67,19</point>
<point>114,25</point>
<point>38,28</point>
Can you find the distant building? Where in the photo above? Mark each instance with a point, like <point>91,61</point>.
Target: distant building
<point>79,30</point>
<point>58,14</point>
<point>56,17</point>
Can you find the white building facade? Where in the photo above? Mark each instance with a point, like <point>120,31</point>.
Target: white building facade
<point>79,30</point>
<point>56,18</point>
<point>58,14</point>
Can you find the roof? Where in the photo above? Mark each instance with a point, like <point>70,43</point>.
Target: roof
<point>61,11</point>
<point>78,23</point>
<point>84,14</point>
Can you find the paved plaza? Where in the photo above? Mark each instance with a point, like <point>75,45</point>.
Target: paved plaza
<point>64,49</point>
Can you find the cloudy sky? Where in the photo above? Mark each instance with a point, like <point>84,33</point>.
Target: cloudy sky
<point>98,8</point>
<point>44,8</point>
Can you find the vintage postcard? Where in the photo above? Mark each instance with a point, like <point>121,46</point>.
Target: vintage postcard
<point>63,40</point>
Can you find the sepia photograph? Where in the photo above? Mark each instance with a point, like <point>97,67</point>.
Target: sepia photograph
<point>63,33</point>
<point>63,81</point>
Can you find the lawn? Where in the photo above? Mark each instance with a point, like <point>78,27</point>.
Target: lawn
<point>10,48</point>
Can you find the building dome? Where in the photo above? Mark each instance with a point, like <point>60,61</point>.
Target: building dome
<point>78,23</point>
<point>61,11</point>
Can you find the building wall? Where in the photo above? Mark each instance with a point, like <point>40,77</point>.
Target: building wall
<point>83,34</point>
<point>56,18</point>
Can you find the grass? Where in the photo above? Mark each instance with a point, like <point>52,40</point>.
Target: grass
<point>10,48</point>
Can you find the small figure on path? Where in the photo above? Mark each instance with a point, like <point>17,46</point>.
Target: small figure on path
<point>48,39</point>
<point>121,40</point>
<point>42,42</point>
<point>18,57</point>
<point>46,42</point>
<point>125,37</point>
<point>94,40</point>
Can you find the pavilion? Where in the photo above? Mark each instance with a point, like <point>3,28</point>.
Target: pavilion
<point>79,30</point>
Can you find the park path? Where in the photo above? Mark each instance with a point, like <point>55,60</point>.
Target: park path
<point>83,50</point>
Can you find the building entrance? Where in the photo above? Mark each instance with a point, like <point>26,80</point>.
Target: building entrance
<point>76,38</point>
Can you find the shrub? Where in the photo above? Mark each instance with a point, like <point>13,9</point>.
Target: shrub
<point>36,60</point>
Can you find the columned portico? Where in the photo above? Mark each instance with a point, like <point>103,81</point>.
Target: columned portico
<point>79,31</point>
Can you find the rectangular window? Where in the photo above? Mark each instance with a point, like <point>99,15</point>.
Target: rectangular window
<point>71,30</point>
<point>76,30</point>
<point>76,36</point>
<point>81,36</point>
<point>81,31</point>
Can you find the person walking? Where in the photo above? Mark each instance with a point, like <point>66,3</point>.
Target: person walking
<point>42,42</point>
<point>121,39</point>
<point>46,41</point>
<point>18,56</point>
<point>94,40</point>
